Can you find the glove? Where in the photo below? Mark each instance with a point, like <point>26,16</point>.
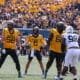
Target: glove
<point>18,52</point>
<point>3,51</point>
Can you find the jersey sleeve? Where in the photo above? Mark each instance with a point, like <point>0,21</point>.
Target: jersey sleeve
<point>28,39</point>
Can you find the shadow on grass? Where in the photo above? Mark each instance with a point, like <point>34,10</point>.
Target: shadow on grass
<point>8,76</point>
<point>38,75</point>
<point>15,77</point>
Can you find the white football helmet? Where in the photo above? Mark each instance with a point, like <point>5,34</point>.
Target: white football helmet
<point>69,29</point>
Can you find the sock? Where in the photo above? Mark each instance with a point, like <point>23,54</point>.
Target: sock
<point>58,74</point>
<point>42,71</point>
<point>26,71</point>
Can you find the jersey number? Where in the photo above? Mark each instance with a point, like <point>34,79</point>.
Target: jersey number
<point>58,38</point>
<point>72,38</point>
<point>35,42</point>
<point>10,39</point>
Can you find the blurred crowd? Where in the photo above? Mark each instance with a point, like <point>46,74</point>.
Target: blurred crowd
<point>42,14</point>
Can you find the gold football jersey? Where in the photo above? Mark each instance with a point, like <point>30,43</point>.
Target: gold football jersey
<point>9,39</point>
<point>36,42</point>
<point>55,44</point>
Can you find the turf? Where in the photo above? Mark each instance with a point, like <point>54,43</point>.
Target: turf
<point>9,72</point>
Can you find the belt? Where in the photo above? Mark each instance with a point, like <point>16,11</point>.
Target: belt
<point>73,47</point>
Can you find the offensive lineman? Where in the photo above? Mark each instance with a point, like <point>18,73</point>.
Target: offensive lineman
<point>10,37</point>
<point>55,48</point>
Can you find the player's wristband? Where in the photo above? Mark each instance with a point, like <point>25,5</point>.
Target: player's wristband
<point>18,52</point>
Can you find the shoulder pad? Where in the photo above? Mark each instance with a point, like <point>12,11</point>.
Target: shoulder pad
<point>5,28</point>
<point>40,35</point>
<point>52,30</point>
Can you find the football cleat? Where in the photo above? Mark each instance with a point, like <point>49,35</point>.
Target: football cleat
<point>20,75</point>
<point>43,76</point>
<point>56,78</point>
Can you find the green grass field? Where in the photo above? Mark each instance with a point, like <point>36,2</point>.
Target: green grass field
<point>8,70</point>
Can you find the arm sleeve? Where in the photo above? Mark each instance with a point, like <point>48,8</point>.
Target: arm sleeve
<point>63,45</point>
<point>49,39</point>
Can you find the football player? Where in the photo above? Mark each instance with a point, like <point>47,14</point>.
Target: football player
<point>35,41</point>
<point>10,37</point>
<point>55,49</point>
<point>70,39</point>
